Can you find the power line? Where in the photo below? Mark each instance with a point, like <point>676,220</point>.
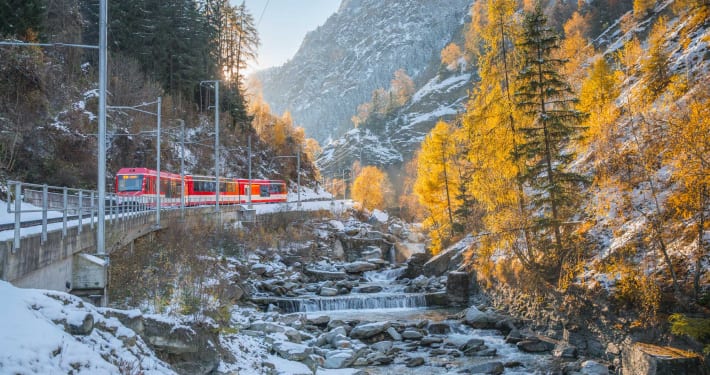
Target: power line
<point>262,13</point>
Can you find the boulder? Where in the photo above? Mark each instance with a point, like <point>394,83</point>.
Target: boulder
<point>472,345</point>
<point>428,340</point>
<point>535,345</point>
<point>328,292</point>
<point>366,330</point>
<point>382,346</point>
<point>439,328</point>
<point>593,368</point>
<point>481,320</point>
<point>359,267</point>
<point>457,288</point>
<point>412,334</point>
<point>368,289</point>
<point>321,275</point>
<point>372,252</point>
<point>394,334</point>
<point>189,349</point>
<point>132,319</point>
<point>415,265</point>
<point>292,351</point>
<point>489,368</point>
<point>340,358</point>
<point>414,361</point>
<point>646,359</point>
<point>564,350</point>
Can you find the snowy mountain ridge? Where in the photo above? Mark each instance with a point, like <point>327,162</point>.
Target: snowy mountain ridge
<point>356,51</point>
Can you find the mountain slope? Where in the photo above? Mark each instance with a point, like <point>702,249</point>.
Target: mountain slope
<point>356,51</point>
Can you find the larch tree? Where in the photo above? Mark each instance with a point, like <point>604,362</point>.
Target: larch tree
<point>596,97</point>
<point>491,129</point>
<point>643,7</point>
<point>437,182</point>
<point>689,154</point>
<point>450,56</point>
<point>402,87</point>
<point>372,188</point>
<point>656,65</point>
<point>544,96</point>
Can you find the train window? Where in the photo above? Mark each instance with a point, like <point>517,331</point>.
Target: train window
<point>276,189</point>
<point>263,190</point>
<point>222,187</point>
<point>130,183</point>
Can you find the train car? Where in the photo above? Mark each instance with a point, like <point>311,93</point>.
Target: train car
<point>201,190</point>
<point>263,191</point>
<point>138,186</point>
<point>141,184</point>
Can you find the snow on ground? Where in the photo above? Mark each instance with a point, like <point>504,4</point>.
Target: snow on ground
<point>29,212</point>
<point>32,343</point>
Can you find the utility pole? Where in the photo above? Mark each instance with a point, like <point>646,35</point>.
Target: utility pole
<point>249,190</point>
<point>182,168</point>
<point>298,175</point>
<point>101,183</point>
<point>216,144</point>
<point>157,152</point>
<point>216,141</point>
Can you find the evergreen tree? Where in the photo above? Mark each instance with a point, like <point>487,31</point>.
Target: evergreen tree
<point>544,96</point>
<point>22,18</point>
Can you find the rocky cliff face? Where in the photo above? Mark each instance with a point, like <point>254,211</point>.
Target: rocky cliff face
<point>357,50</point>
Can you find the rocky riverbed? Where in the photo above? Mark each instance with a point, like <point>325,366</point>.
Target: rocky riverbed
<point>360,311</point>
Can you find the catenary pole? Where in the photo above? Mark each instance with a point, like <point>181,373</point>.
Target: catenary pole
<point>157,151</point>
<point>249,191</point>
<point>101,183</point>
<point>216,143</point>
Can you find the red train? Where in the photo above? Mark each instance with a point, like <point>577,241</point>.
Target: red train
<point>199,190</point>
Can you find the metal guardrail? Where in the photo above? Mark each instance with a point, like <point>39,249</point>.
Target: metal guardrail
<point>74,207</point>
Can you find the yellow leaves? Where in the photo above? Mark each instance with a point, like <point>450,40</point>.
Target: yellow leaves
<point>450,56</point>
<point>372,188</point>
<point>437,181</point>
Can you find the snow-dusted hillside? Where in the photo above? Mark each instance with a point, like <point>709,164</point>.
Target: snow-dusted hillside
<point>356,51</point>
<point>441,98</point>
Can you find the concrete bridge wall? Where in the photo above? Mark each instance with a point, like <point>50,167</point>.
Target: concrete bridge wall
<point>49,265</point>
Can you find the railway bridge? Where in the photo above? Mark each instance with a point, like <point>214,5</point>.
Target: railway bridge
<point>62,256</point>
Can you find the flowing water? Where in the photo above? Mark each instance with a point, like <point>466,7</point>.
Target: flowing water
<point>392,304</point>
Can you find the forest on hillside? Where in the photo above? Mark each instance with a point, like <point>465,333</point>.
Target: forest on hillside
<point>48,97</point>
<point>582,158</point>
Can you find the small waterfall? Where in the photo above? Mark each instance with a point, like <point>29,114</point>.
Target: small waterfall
<point>359,302</point>
<point>385,276</point>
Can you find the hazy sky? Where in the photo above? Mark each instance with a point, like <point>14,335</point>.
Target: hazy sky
<point>282,24</point>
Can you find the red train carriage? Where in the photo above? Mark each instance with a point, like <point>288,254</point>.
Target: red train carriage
<point>262,191</point>
<point>201,190</point>
<point>142,184</point>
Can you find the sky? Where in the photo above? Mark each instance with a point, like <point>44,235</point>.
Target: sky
<point>282,24</point>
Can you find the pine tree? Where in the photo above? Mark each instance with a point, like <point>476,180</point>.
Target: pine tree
<point>22,18</point>
<point>544,96</point>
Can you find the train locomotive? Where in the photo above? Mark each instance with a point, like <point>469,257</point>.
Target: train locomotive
<point>141,184</point>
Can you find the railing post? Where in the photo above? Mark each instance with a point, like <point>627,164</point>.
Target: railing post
<point>81,209</point>
<point>92,211</point>
<point>18,210</point>
<point>45,203</point>
<point>65,208</point>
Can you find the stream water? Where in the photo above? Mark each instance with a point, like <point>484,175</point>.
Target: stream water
<point>391,304</point>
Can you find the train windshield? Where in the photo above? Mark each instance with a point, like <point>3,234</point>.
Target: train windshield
<point>130,182</point>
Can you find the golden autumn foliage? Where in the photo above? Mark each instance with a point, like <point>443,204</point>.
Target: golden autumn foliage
<point>372,188</point>
<point>437,183</point>
<point>450,56</point>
